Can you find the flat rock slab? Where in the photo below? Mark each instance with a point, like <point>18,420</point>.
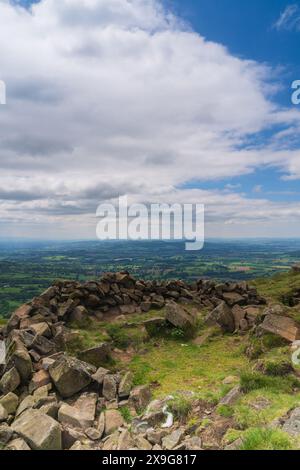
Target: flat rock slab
<point>38,430</point>
<point>282,326</point>
<point>81,414</point>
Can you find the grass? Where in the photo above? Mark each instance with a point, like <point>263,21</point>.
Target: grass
<point>225,410</point>
<point>177,366</point>
<point>279,286</point>
<point>275,404</point>
<point>125,412</point>
<point>181,406</point>
<point>266,439</point>
<point>255,380</point>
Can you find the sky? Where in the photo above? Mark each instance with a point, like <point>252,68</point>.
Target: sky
<point>160,100</point>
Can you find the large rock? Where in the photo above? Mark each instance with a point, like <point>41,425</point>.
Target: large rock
<point>180,317</point>
<point>70,375</point>
<point>109,387</point>
<point>232,396</point>
<point>17,444</point>
<point>10,402</point>
<point>292,424</point>
<point>125,385</point>
<point>6,434</point>
<point>81,414</point>
<point>16,317</point>
<point>38,430</point>
<point>10,381</point>
<point>22,362</point>
<point>233,298</point>
<point>140,397</point>
<point>173,439</point>
<point>3,414</point>
<point>98,355</point>
<point>282,326</point>
<point>113,420</point>
<point>223,317</point>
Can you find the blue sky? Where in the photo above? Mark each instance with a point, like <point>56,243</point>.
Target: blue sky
<point>247,29</point>
<point>144,87</point>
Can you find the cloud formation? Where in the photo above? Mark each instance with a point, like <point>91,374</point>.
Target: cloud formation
<point>289,19</point>
<point>109,97</point>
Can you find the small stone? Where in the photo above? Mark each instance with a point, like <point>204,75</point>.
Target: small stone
<point>93,434</point>
<point>39,379</point>
<point>142,443</point>
<point>236,445</point>
<point>231,379</point>
<point>173,439</point>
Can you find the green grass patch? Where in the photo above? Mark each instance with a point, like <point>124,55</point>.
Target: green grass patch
<point>266,439</point>
<point>255,380</point>
<point>181,406</point>
<point>225,410</point>
<point>182,366</point>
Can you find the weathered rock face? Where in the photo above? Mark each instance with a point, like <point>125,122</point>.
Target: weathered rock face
<point>292,424</point>
<point>10,381</point>
<point>180,317</point>
<point>10,402</point>
<point>38,430</point>
<point>282,326</point>
<point>97,356</point>
<point>81,414</point>
<point>113,420</point>
<point>222,316</point>
<point>70,375</point>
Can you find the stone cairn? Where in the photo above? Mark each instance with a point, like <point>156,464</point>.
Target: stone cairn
<point>50,400</point>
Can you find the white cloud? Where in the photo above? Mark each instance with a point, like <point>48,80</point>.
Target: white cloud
<point>289,18</point>
<point>108,97</point>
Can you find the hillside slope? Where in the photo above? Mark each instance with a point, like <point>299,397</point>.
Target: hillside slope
<point>87,359</point>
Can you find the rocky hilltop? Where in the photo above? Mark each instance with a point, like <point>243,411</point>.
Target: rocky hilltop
<point>52,398</point>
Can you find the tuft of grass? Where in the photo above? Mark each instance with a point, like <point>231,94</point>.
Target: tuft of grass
<point>225,410</point>
<point>125,412</point>
<point>266,439</point>
<point>277,368</point>
<point>124,337</point>
<point>255,380</point>
<point>181,406</point>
